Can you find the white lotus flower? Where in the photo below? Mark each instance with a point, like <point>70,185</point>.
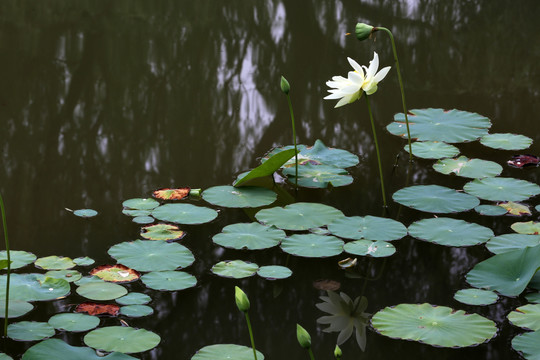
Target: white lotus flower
<point>362,79</point>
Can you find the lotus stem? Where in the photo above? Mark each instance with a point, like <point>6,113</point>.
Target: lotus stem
<point>251,335</point>
<point>377,150</point>
<point>294,139</point>
<point>400,86</point>
<point>311,354</point>
<point>4,223</point>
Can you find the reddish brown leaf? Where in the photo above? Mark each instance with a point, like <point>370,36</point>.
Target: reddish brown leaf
<point>326,285</point>
<point>520,161</point>
<point>171,194</point>
<point>98,309</point>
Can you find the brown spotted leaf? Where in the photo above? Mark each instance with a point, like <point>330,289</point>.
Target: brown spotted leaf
<point>171,194</point>
<point>515,208</point>
<point>116,273</point>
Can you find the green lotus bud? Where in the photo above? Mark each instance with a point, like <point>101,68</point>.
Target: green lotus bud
<point>363,31</point>
<point>303,337</point>
<point>337,353</point>
<point>242,301</point>
<point>285,87</point>
<point>195,192</point>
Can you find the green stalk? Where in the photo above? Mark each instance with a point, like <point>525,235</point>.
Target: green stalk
<point>251,335</point>
<point>400,86</point>
<point>377,149</point>
<point>294,138</point>
<point>4,223</point>
<point>311,354</point>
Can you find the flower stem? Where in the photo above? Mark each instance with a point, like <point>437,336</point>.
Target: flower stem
<point>251,335</point>
<point>294,139</point>
<point>377,150</point>
<point>311,354</point>
<point>4,223</point>
<point>400,86</point>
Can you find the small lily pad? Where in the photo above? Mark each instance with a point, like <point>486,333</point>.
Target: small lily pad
<point>476,297</point>
<point>312,245</point>
<point>528,344</point>
<point>274,272</point>
<point>74,322</point>
<point>526,317</point>
<point>509,242</point>
<point>299,216</point>
<point>59,350</point>
<point>140,204</point>
<point>226,351</point>
<point>115,273</point>
<point>136,213</point>
<point>165,232</point>
<point>514,208</point>
<point>450,232</point>
<point>96,309</point>
<point>490,210</point>
<point>243,197</point>
<point>319,176</point>
<point>85,213</point>
<point>83,261</point>
<point>184,214</point>
<point>101,291</point>
<point>469,168</point>
<point>30,331</point>
<point>506,141</point>
<point>55,263</point>
<point>68,275</point>
<point>236,269</point>
<point>18,258</point>
<point>143,220</point>
<point>432,149</point>
<point>134,298</point>
<point>17,308</point>
<point>367,227</point>
<point>122,339</point>
<point>169,280</point>
<point>435,199</point>
<point>250,236</point>
<point>528,227</point>
<point>171,194</point>
<point>370,248</point>
<point>502,189</point>
<point>136,311</point>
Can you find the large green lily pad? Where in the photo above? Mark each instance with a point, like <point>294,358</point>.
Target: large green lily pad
<point>244,197</point>
<point>450,126</point>
<point>184,214</point>
<point>469,168</point>
<point>74,322</point>
<point>225,352</point>
<point>370,248</point>
<point>433,325</point>
<point>148,255</point>
<point>312,245</point>
<point>319,176</point>
<point>55,263</point>
<point>506,141</point>
<point>299,216</point>
<point>250,236</point>
<point>267,168</point>
<point>68,275</point>
<point>17,308</point>
<point>526,317</point>
<point>101,291</point>
<point>432,149</point>
<point>122,339</point>
<point>18,258</point>
<point>476,297</point>
<point>34,287</point>
<point>502,189</point>
<point>30,331</point>
<point>236,269</point>
<point>59,350</point>
<point>435,199</point>
<point>528,344</point>
<point>367,227</point>
<point>450,232</point>
<point>169,280</point>
<point>509,242</point>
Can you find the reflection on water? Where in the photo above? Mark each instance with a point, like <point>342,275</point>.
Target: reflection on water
<point>101,102</point>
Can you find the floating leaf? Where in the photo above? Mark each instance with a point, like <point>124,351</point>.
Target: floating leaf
<point>30,331</point>
<point>274,272</point>
<point>299,216</point>
<point>116,273</point>
<point>528,344</point>
<point>136,311</point>
<point>533,297</point>
<point>435,199</point>
<point>476,297</point>
<point>101,291</point>
<point>83,261</point>
<point>250,236</point>
<point>267,168</point>
<point>184,214</point>
<point>236,269</point>
<point>171,194</point>
<point>68,275</point>
<point>162,232</point>
<point>226,351</point>
<point>312,245</point>
<point>490,210</point>
<point>528,227</point>
<point>244,197</point>
<point>326,284</point>
<point>519,161</point>
<point>370,248</point>
<point>74,322</point>
<point>59,350</point>
<point>526,317</point>
<point>140,204</point>
<point>169,280</point>
<point>136,213</point>
<point>433,325</point>
<point>85,213</point>
<point>450,232</point>
<point>470,168</point>
<point>147,255</point>
<point>17,308</point>
<point>367,227</point>
<point>506,141</point>
<point>319,176</point>
<point>143,220</point>
<point>5,357</point>
<point>98,309</point>
<point>34,287</point>
<point>509,242</point>
<point>451,126</point>
<point>122,339</point>
<point>502,189</point>
<point>134,298</point>
<point>514,208</point>
<point>432,149</point>
<point>18,258</point>
<point>88,279</point>
<point>55,263</point>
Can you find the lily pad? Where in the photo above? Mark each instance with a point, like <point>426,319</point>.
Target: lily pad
<point>319,176</point>
<point>59,350</point>
<point>476,297</point>
<point>236,269</point>
<point>226,351</point>
<point>268,167</point>
<point>433,325</point>
<point>147,255</point>
<point>162,232</point>
<point>528,227</point>
<point>274,272</point>
<point>509,242</point>
<point>528,344</point>
<point>367,227</point>
<point>140,204</point>
<point>526,317</point>
<point>101,291</point>
<point>83,261</point>
<point>18,258</point>
<point>169,280</point>
<point>134,298</point>
<point>96,309</point>
<point>506,141</point>
<point>299,216</point>
<point>514,208</point>
<point>122,339</point>
<point>30,331</point>
<point>17,308</point>
<point>490,210</point>
<point>312,245</point>
<point>143,220</point>
<point>244,197</point>
<point>5,357</point>
<point>432,149</point>
<point>68,275</point>
<point>85,213</point>
<point>250,236</point>
<point>34,287</point>
<point>115,273</point>
<point>470,168</point>
<point>370,248</point>
<point>184,214</point>
<point>502,189</point>
<point>435,199</point>
<point>450,126</point>
<point>136,311</point>
<point>171,194</point>
<point>55,263</point>
<point>88,279</point>
<point>136,213</point>
<point>450,232</point>
<point>74,322</point>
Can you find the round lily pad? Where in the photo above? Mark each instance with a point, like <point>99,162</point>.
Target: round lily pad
<point>115,273</point>
<point>55,263</point>
<point>134,298</point>
<point>140,204</point>
<point>143,220</point>
<point>526,317</point>
<point>68,275</point>
<point>450,126</point>
<point>509,242</point>
<point>502,189</point>
<point>476,297</point>
<point>184,214</point>
<point>122,339</point>
<point>433,325</point>
<point>101,291</point>
<point>74,322</point>
<point>367,227</point>
<point>274,272</point>
<point>59,350</point>
<point>435,199</point>
<point>30,330</point>
<point>236,269</point>
<point>147,255</point>
<point>370,248</point>
<point>171,194</point>
<point>528,344</point>
<point>169,280</point>
<point>312,245</point>
<point>165,232</point>
<point>226,351</point>
<point>18,258</point>
<point>490,210</point>
<point>83,261</point>
<point>450,232</point>
<point>299,216</point>
<point>135,311</point>
<point>241,197</point>
<point>34,287</point>
<point>432,149</point>
<point>319,176</point>
<point>136,213</point>
<point>527,227</point>
<point>250,236</point>
<point>506,141</point>
<point>17,308</point>
<point>96,309</point>
<point>85,213</point>
<point>469,168</point>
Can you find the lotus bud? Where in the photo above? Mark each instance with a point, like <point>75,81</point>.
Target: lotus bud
<point>242,301</point>
<point>285,87</point>
<point>363,31</point>
<point>337,353</point>
<point>195,192</point>
<point>303,337</point>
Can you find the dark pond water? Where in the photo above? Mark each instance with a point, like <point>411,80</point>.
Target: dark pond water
<point>106,101</point>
